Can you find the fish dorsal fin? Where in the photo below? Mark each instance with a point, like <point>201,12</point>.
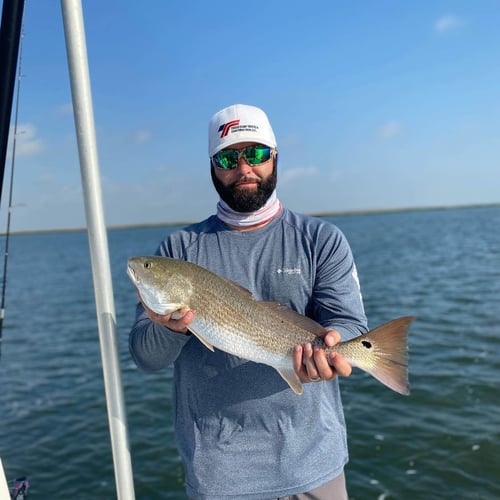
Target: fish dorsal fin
<point>291,379</point>
<point>297,319</point>
<point>206,343</point>
<point>241,288</point>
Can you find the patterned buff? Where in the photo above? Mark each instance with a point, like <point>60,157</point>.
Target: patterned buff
<point>269,211</point>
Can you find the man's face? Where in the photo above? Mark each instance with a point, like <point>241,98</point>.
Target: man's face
<point>245,188</point>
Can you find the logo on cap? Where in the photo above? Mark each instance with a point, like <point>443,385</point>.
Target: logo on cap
<point>225,127</point>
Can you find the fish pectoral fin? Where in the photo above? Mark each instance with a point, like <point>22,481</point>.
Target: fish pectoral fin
<point>291,379</point>
<point>200,337</point>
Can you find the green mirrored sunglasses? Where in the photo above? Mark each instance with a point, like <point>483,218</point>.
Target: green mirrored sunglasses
<point>257,154</point>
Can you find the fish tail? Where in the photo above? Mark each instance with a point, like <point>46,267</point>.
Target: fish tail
<point>384,354</point>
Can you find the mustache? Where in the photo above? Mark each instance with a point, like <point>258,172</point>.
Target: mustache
<point>244,179</point>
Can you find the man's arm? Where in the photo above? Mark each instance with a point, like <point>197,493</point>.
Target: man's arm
<point>156,341</point>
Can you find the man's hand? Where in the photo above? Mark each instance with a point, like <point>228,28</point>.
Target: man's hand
<point>178,321</point>
<point>313,365</point>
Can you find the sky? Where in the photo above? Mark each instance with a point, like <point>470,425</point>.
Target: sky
<point>375,105</point>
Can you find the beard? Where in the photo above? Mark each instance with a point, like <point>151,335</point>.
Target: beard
<point>241,200</point>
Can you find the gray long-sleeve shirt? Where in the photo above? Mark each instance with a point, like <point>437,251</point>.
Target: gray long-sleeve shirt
<point>241,431</point>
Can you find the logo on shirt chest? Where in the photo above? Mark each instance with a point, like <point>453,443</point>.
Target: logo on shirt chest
<point>289,270</point>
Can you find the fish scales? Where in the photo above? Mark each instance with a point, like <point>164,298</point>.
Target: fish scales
<point>229,311</point>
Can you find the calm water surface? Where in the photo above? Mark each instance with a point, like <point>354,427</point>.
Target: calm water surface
<point>441,442</point>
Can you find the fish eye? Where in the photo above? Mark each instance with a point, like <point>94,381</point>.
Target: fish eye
<point>147,265</point>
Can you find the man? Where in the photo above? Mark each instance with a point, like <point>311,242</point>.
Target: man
<point>241,431</point>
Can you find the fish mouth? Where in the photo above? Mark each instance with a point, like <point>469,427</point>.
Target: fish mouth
<point>132,274</point>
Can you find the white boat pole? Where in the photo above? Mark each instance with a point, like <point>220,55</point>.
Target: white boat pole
<point>99,254</point>
<point>4,488</point>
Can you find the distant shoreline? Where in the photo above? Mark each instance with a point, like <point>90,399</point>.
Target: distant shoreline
<point>341,213</point>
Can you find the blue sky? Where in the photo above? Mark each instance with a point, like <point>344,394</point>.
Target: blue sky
<point>375,104</point>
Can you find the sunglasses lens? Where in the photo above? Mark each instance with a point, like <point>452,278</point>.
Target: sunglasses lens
<point>255,155</point>
<point>226,159</point>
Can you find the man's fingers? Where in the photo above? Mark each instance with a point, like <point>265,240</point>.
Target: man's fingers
<point>332,338</point>
<point>183,321</point>
<point>310,363</point>
<point>324,369</point>
<point>338,362</point>
<point>297,361</point>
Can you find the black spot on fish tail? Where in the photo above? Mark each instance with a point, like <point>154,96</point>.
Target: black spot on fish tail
<point>366,344</point>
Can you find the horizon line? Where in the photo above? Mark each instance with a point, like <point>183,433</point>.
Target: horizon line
<point>339,213</point>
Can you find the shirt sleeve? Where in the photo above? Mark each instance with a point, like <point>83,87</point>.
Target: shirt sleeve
<point>153,346</point>
<point>337,299</point>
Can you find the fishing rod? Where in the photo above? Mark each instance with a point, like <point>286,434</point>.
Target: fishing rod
<point>11,186</point>
<point>10,35</point>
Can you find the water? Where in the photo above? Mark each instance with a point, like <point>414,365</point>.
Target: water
<point>441,442</point>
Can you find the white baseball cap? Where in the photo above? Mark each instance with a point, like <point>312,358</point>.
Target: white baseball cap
<point>239,123</point>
